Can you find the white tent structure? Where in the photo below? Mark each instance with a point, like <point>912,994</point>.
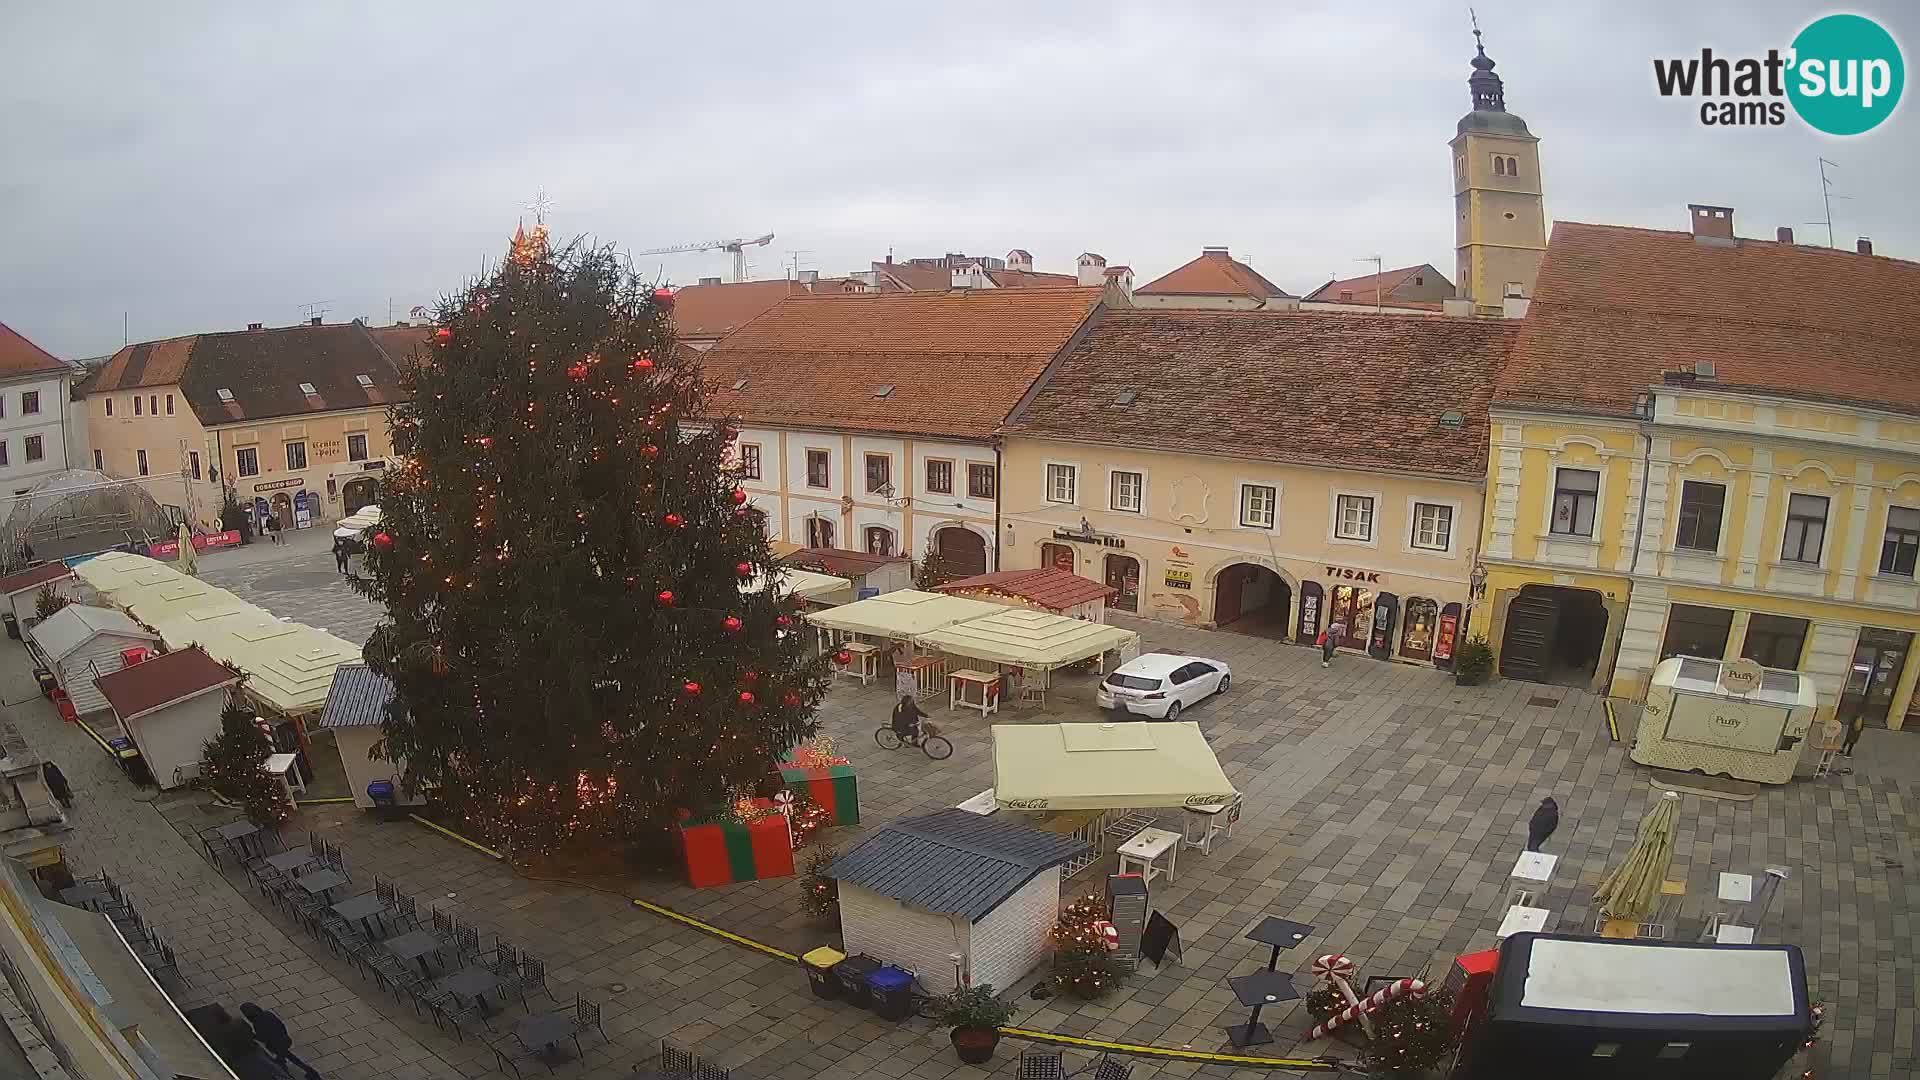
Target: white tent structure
<point>902,615</point>
<point>351,526</point>
<point>805,584</point>
<point>1106,766</point>
<point>1035,640</point>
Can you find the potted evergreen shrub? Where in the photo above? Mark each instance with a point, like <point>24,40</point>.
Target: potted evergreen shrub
<point>1473,663</point>
<point>976,1014</point>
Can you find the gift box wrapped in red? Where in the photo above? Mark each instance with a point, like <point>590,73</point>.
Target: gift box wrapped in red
<point>831,787</point>
<point>724,849</point>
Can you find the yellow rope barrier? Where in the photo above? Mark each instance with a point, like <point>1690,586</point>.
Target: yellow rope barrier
<point>1613,726</point>
<point>1167,1053</point>
<point>451,835</point>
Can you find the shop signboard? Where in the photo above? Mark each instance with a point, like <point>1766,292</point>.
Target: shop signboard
<point>276,485</point>
<point>1179,579</point>
<point>1736,725</point>
<point>202,542</point>
<point>1309,612</point>
<point>1443,639</point>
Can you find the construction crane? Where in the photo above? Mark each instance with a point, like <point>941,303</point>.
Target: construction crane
<point>736,248</point>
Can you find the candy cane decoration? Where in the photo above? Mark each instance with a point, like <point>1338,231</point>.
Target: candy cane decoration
<point>1338,970</point>
<point>1359,1010</point>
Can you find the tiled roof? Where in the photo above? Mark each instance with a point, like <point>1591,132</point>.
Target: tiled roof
<point>263,370</point>
<point>1614,307</point>
<point>838,561</point>
<point>952,862</point>
<point>1214,273</point>
<point>1361,289</point>
<point>72,626</point>
<point>18,356</point>
<point>1048,586</point>
<point>701,312</point>
<point>357,698</point>
<point>401,342</point>
<point>163,680</point>
<point>34,578</point>
<point>1032,279</point>
<point>917,278</point>
<point>957,362</point>
<point>1354,390</point>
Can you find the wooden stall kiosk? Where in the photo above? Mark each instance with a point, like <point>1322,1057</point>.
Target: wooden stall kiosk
<point>1725,718</point>
<point>1045,588</point>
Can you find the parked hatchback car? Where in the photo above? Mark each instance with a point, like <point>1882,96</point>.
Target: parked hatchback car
<point>1160,685</point>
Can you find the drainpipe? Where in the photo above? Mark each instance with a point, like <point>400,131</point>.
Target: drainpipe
<point>999,482</point>
<point>1646,470</point>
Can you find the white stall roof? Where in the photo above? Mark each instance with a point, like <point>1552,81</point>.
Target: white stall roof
<point>906,613</point>
<point>805,584</point>
<point>1614,977</point>
<point>1105,766</point>
<point>1028,638</point>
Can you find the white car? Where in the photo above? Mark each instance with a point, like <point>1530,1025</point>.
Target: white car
<point>1160,685</point>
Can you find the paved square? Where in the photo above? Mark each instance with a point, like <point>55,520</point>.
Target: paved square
<point>1385,807</point>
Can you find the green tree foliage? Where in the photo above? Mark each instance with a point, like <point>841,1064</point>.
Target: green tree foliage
<point>932,570</point>
<point>1082,966</point>
<point>231,764</point>
<point>560,557</point>
<point>49,600</point>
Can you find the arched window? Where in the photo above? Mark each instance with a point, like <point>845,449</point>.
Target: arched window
<point>1513,166</point>
<point>879,540</point>
<point>1499,166</point>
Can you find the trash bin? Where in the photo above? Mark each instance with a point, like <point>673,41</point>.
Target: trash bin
<point>853,973</point>
<point>892,993</point>
<point>46,680</point>
<point>818,964</point>
<point>380,793</point>
<point>13,625</point>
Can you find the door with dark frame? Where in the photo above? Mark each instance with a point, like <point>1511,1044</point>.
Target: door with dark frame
<point>1123,576</point>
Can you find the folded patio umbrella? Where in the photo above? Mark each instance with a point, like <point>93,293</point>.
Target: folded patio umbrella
<point>1632,889</point>
<point>189,559</point>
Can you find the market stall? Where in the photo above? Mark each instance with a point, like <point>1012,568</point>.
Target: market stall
<point>80,643</point>
<point>1034,642</point>
<point>170,707</point>
<point>872,575</point>
<point>896,618</point>
<point>1046,588</point>
<point>808,585</point>
<point>1731,718</point>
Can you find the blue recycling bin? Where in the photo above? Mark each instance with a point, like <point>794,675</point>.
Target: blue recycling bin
<point>892,993</point>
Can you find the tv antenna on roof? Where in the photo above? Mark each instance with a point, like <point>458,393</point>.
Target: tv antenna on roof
<point>1826,199</point>
<point>1379,270</point>
<point>314,310</point>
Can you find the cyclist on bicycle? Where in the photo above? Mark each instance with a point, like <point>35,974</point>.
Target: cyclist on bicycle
<point>906,720</point>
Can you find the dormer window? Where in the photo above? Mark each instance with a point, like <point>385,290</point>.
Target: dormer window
<point>307,389</point>
<point>226,395</point>
<point>365,381</point>
<point>884,392</point>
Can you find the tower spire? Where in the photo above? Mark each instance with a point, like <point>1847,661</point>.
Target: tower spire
<point>1488,93</point>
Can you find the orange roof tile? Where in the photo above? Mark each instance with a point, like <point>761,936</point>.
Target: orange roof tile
<point>1032,279</point>
<point>701,312</point>
<point>18,356</point>
<point>401,342</point>
<point>263,369</point>
<point>1363,288</point>
<point>1614,307</point>
<point>1048,586</point>
<point>916,278</point>
<point>1214,273</point>
<point>1353,390</point>
<point>146,363</point>
<point>957,361</point>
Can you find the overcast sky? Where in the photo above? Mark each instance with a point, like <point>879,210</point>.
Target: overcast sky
<point>200,171</point>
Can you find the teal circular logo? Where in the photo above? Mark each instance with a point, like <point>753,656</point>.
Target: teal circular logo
<point>1846,76</point>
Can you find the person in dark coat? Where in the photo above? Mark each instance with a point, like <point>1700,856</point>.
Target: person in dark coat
<point>906,719</point>
<point>340,553</point>
<point>271,1032</point>
<point>57,783</point>
<point>1545,819</point>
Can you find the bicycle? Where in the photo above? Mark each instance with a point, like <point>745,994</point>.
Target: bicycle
<point>930,742</point>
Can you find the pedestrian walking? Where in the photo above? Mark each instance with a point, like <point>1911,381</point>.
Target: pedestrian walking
<point>1546,818</point>
<point>1854,728</point>
<point>340,553</point>
<point>1329,641</point>
<point>271,1032</point>
<point>57,783</point>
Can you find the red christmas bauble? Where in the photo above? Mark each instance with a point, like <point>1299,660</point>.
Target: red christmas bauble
<point>843,658</point>
<point>577,372</point>
<point>732,624</point>
<point>382,541</point>
<point>739,497</point>
<point>749,677</point>
<point>782,621</point>
<point>691,688</point>
<point>674,521</point>
<point>665,596</point>
<point>443,335</point>
<point>746,697</point>
<point>741,511</point>
<point>645,363</point>
<point>486,441</point>
<point>792,699</point>
<point>663,297</point>
<point>650,451</point>
<point>744,569</point>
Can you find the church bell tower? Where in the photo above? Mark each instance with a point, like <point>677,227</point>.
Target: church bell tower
<point>1500,219</point>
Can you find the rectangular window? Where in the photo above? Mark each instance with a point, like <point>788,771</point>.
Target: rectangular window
<point>1775,641</point>
<point>1576,493</point>
<point>169,404</point>
<point>99,459</point>
<point>750,461</point>
<point>35,448</point>
<point>3,453</point>
<point>1061,481</point>
<point>939,477</point>
<point>1432,526</point>
<point>193,463</point>
<point>1259,505</point>
<point>819,466</point>
<point>246,461</point>
<point>140,456</point>
<point>357,446</point>
<point>1702,506</point>
<point>153,404</point>
<point>296,456</point>
<point>879,474</point>
<point>138,405</point>
<point>109,406</point>
<point>879,540</point>
<point>1902,542</point>
<point>1353,517</point>
<point>1128,492</point>
<point>981,481</point>
<point>819,532</point>
<point>1697,631</point>
<point>30,403</point>
<point>1806,529</point>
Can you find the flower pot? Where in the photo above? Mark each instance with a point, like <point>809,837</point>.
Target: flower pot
<point>1463,678</point>
<point>975,1045</point>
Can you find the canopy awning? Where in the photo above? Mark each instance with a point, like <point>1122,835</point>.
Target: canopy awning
<point>907,613</point>
<point>805,584</point>
<point>1028,638</point>
<point>1105,766</point>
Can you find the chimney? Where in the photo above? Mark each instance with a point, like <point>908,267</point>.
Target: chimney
<point>1458,307</point>
<point>1220,251</point>
<point>1120,285</point>
<point>315,321</point>
<point>1093,268</point>
<point>1863,245</point>
<point>808,277</point>
<point>1514,307</point>
<point>1784,235</point>
<point>254,326</point>
<point>709,281</point>
<point>1712,225</point>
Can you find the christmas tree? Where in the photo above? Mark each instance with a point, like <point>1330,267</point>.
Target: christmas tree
<point>561,555</point>
<point>233,765</point>
<point>1082,965</point>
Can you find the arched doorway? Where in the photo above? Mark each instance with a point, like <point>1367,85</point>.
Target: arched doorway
<point>358,493</point>
<point>1058,557</point>
<point>1123,576</point>
<point>283,510</point>
<point>1250,599</point>
<point>964,550</point>
<point>1554,635</point>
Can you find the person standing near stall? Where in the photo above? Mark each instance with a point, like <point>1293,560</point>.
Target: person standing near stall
<point>1330,640</point>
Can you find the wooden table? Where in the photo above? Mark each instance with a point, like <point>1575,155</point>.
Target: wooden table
<point>1729,934</point>
<point>928,672</point>
<point>958,681</point>
<point>1145,849</point>
<point>1256,992</point>
<point>1202,823</point>
<point>864,662</point>
<point>415,945</point>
